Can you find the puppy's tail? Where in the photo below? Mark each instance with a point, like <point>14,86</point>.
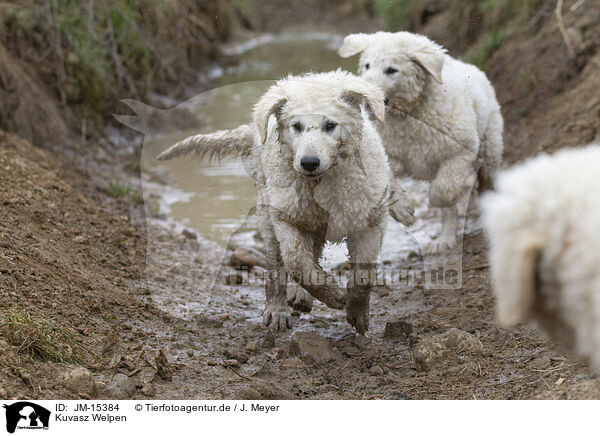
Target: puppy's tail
<point>233,142</point>
<point>491,152</point>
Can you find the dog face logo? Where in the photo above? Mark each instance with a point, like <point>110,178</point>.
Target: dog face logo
<point>26,415</point>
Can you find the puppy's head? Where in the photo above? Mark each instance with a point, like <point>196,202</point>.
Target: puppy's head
<point>319,118</point>
<point>399,63</point>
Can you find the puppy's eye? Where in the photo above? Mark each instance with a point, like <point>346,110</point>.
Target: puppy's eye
<point>330,125</point>
<point>390,70</point>
<point>367,66</point>
<point>298,127</point>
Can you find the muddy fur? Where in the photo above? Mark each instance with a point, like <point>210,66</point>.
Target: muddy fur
<point>542,225</point>
<point>324,116</point>
<point>443,122</point>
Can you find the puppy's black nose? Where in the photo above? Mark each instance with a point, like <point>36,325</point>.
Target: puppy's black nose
<point>386,101</point>
<point>310,163</point>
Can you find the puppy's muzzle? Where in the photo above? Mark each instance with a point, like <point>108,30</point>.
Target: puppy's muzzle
<point>310,164</point>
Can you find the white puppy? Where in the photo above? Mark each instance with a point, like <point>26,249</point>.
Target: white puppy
<point>443,122</point>
<point>322,175</point>
<point>542,224</point>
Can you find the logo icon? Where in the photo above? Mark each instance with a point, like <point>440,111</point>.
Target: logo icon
<point>26,415</point>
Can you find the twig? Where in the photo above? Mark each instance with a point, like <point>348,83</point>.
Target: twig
<point>576,5</point>
<point>235,372</point>
<point>561,27</point>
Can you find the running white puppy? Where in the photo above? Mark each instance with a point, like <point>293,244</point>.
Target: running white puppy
<point>443,122</point>
<point>542,224</point>
<point>323,175</point>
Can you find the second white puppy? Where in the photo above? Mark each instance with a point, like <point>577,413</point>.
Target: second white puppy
<point>443,122</point>
<point>322,175</point>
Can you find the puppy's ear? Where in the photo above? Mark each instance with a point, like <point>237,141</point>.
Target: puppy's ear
<point>516,289</point>
<point>369,95</point>
<point>433,63</point>
<point>353,44</point>
<point>270,103</point>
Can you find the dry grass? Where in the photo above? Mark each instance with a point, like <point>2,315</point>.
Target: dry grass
<point>42,338</point>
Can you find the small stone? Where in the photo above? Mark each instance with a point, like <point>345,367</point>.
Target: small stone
<point>120,387</point>
<point>237,355</point>
<point>271,392</point>
<point>376,370</point>
<point>190,353</point>
<point>212,362</point>
<point>268,341</point>
<point>231,362</point>
<point>248,393</point>
<point>433,349</point>
<point>224,316</point>
<point>80,381</point>
<point>234,278</point>
<point>189,234</point>
<point>397,330</point>
<point>79,239</point>
<point>149,390</point>
<point>162,365</point>
<point>246,257</point>
<point>312,348</point>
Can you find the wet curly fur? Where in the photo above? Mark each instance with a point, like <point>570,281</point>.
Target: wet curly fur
<point>443,122</point>
<point>326,117</point>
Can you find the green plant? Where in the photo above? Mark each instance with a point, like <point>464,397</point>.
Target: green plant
<point>41,338</point>
<point>398,14</point>
<point>482,51</point>
<point>117,190</point>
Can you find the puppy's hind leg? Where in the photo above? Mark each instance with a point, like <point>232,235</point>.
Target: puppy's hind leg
<point>276,314</point>
<point>454,178</point>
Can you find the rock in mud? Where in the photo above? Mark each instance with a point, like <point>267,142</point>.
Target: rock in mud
<point>312,348</point>
<point>120,387</point>
<point>397,330</point>
<point>149,390</point>
<point>268,341</point>
<point>81,382</point>
<point>248,393</point>
<point>260,390</point>
<point>163,367</point>
<point>234,278</point>
<point>246,257</point>
<point>189,234</point>
<point>429,351</point>
<point>376,370</point>
<point>235,355</point>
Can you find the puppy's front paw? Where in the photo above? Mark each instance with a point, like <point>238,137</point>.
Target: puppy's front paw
<point>277,318</point>
<point>403,213</point>
<point>298,298</point>
<point>442,245</point>
<point>357,313</point>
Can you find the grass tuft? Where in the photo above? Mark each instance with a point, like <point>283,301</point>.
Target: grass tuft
<point>41,338</point>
